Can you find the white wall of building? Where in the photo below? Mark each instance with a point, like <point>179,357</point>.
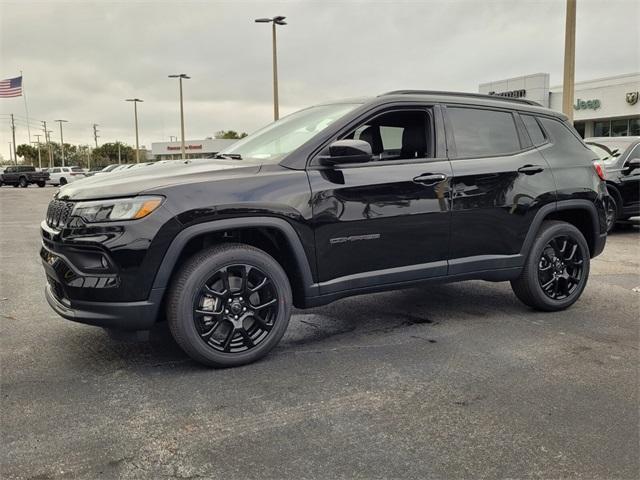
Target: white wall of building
<point>611,93</point>
<point>595,101</point>
<point>535,86</point>
<point>193,148</point>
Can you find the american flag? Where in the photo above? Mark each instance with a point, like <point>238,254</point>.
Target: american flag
<point>11,87</point>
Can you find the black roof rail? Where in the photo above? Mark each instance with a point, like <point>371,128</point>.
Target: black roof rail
<point>462,94</point>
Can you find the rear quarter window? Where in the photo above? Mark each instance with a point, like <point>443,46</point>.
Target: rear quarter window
<point>480,133</point>
<point>563,138</point>
<point>533,129</point>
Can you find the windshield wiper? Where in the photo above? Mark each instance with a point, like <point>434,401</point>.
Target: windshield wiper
<point>234,156</point>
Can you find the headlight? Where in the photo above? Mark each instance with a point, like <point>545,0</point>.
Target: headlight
<point>117,209</point>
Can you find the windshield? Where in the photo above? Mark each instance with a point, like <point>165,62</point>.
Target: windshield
<point>274,141</point>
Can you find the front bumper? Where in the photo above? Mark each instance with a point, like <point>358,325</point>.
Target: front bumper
<point>92,295</point>
<point>117,315</point>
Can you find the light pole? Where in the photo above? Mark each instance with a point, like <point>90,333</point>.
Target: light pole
<point>181,76</point>
<point>569,60</point>
<point>135,116</point>
<point>39,154</point>
<point>279,20</point>
<point>61,139</point>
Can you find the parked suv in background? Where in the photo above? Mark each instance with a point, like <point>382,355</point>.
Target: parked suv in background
<point>335,200</point>
<point>63,175</point>
<point>23,176</point>
<point>620,157</point>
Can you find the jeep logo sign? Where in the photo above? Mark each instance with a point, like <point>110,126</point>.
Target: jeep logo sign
<point>587,104</point>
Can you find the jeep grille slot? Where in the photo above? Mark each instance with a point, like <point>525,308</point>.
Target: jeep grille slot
<point>58,213</point>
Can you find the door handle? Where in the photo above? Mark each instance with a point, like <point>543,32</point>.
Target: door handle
<point>530,169</point>
<point>430,179</point>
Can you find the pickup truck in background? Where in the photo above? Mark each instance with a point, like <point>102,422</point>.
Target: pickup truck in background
<point>23,176</point>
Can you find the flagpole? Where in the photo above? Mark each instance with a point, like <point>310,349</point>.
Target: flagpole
<point>26,109</point>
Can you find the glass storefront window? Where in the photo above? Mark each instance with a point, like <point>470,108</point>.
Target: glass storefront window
<point>579,126</point>
<point>634,126</point>
<point>602,128</point>
<point>619,128</point>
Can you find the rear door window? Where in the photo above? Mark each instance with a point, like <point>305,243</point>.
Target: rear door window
<point>479,132</point>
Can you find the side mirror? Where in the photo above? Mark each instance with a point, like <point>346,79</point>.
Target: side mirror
<point>347,151</point>
<point>633,163</point>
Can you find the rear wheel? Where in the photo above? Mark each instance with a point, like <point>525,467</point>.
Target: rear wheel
<point>41,184</point>
<point>63,181</point>
<point>23,182</point>
<point>556,270</point>
<point>229,305</point>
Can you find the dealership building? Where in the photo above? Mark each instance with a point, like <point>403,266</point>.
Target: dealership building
<point>601,108</point>
<point>206,148</point>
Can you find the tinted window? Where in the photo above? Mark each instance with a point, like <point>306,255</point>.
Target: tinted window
<point>483,132</point>
<point>535,132</point>
<point>399,135</point>
<point>562,137</point>
<point>76,169</point>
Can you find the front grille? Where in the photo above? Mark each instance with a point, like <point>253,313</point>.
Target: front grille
<point>58,213</point>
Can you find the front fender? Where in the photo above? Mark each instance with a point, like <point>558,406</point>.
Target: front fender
<point>180,241</point>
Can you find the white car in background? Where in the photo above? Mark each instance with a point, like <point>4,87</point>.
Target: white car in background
<point>63,175</point>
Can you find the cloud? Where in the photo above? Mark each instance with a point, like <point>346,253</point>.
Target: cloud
<point>82,59</point>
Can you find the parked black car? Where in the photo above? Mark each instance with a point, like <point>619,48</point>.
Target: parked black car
<point>621,159</point>
<point>23,176</point>
<point>335,200</point>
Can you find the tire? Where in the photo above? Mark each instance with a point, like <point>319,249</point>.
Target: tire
<point>223,339</point>
<point>612,213</point>
<point>537,285</point>
<point>23,182</point>
<point>63,181</point>
<point>41,184</point>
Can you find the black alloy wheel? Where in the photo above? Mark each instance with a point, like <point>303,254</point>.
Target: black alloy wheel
<point>611,212</point>
<point>560,267</point>
<point>229,305</point>
<point>236,308</point>
<point>556,270</point>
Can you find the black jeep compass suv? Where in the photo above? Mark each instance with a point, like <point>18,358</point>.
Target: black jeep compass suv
<point>335,200</point>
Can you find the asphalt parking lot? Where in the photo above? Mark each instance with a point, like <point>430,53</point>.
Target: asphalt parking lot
<point>451,381</point>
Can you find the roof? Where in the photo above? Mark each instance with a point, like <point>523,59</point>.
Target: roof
<point>468,98</point>
<point>462,94</point>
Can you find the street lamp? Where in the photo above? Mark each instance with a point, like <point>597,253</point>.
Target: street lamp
<point>61,139</point>
<point>279,20</point>
<point>135,116</point>
<point>181,76</point>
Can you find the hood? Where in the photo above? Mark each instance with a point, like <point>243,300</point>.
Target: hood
<point>154,175</point>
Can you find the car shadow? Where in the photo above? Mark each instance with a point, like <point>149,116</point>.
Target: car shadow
<point>405,314</point>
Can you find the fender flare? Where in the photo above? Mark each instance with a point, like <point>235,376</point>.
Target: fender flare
<point>576,204</point>
<point>181,239</point>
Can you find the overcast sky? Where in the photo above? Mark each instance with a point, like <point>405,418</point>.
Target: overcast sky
<point>82,59</point>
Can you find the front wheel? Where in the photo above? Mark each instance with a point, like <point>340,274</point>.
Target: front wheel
<point>41,184</point>
<point>556,270</point>
<point>229,305</point>
<point>62,182</point>
<point>23,182</point>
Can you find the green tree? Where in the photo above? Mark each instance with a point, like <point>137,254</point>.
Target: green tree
<point>107,153</point>
<point>29,153</point>
<point>230,134</point>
